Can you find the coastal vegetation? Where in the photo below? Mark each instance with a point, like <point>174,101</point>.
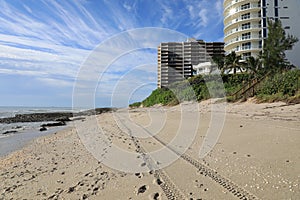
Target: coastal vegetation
<point>268,77</point>
<point>278,87</point>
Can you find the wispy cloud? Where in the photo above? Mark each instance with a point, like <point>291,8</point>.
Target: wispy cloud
<point>203,17</point>
<point>48,41</point>
<point>206,18</point>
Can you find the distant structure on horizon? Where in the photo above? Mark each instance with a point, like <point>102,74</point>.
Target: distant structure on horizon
<point>180,60</point>
<point>245,25</point>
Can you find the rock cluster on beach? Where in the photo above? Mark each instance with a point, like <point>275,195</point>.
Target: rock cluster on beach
<point>53,116</point>
<point>53,119</point>
<point>36,117</point>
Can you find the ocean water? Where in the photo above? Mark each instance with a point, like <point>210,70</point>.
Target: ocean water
<point>6,111</point>
<point>25,132</point>
<point>19,127</point>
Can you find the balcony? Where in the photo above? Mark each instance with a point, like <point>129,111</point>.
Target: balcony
<point>231,3</point>
<point>234,30</point>
<point>241,10</point>
<point>243,39</point>
<point>240,19</point>
<point>247,49</point>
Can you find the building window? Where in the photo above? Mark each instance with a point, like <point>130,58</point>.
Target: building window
<point>246,26</point>
<point>260,44</point>
<point>246,36</point>
<point>265,33</point>
<point>246,55</point>
<point>246,46</point>
<point>246,16</point>
<point>276,12</point>
<point>264,12</point>
<point>245,6</point>
<point>264,22</point>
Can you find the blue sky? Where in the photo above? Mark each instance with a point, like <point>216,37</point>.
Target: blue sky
<point>44,44</point>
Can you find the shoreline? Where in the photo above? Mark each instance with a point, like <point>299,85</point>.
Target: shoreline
<point>257,150</point>
<point>20,129</point>
<point>16,141</point>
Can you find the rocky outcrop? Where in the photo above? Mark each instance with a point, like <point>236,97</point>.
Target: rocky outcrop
<point>38,117</point>
<point>53,116</point>
<point>96,111</point>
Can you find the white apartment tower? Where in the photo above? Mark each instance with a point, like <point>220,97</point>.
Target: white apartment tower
<point>245,24</point>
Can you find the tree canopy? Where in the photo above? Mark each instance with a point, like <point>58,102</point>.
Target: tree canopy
<point>275,45</point>
<point>232,62</point>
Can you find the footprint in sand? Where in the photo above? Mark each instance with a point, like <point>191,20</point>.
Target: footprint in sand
<point>142,189</point>
<point>139,175</point>
<point>143,164</point>
<point>154,196</point>
<point>158,181</point>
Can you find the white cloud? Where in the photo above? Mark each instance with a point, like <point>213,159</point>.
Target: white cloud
<point>51,40</point>
<point>56,82</point>
<point>219,7</point>
<point>203,14</point>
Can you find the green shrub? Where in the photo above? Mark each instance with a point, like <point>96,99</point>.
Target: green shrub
<point>273,88</point>
<point>135,105</point>
<point>286,84</point>
<point>159,96</point>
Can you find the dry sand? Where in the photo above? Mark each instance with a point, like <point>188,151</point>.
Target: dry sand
<point>256,157</point>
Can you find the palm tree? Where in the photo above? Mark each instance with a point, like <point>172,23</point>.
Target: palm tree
<point>253,65</point>
<point>232,62</point>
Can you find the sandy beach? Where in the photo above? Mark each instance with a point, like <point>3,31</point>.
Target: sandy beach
<point>140,154</point>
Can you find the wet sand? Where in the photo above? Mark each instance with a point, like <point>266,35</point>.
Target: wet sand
<point>17,141</point>
<point>256,157</point>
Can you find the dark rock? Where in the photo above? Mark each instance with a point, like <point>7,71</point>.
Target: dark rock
<point>36,117</point>
<point>61,123</point>
<point>10,131</point>
<point>78,118</point>
<point>63,119</point>
<point>53,116</point>
<point>43,128</point>
<point>96,111</point>
<point>17,127</point>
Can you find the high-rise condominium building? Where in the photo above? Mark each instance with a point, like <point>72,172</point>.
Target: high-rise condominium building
<point>245,24</point>
<point>176,60</point>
